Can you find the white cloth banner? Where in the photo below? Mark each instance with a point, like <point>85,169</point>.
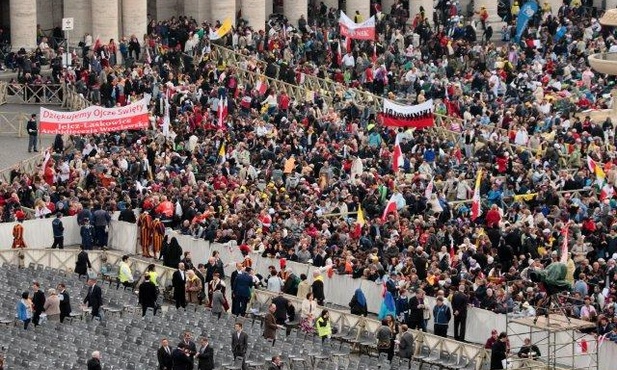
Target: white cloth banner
<point>358,31</point>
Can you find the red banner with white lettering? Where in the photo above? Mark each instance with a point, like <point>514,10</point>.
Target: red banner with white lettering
<point>397,115</point>
<point>95,119</point>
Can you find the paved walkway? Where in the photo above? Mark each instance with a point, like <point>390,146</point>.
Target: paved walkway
<point>15,149</point>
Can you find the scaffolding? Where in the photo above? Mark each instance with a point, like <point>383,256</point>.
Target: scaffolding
<point>562,342</point>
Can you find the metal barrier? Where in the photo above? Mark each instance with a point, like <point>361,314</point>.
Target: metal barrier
<point>13,123</point>
<point>74,101</point>
<point>28,166</point>
<point>51,94</point>
<point>3,89</point>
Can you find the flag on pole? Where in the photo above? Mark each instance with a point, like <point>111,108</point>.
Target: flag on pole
<point>397,157</point>
<point>597,170</point>
<point>166,119</point>
<point>360,216</point>
<point>261,87</point>
<point>390,208</point>
<point>607,191</point>
<point>476,209</point>
<point>429,189</point>
<point>222,111</point>
<point>564,245</point>
<point>222,153</point>
<point>46,158</point>
<point>339,54</point>
<point>374,56</point>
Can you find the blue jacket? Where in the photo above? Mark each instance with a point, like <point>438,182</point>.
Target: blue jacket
<point>242,285</point>
<point>57,227</point>
<point>22,311</point>
<point>442,314</point>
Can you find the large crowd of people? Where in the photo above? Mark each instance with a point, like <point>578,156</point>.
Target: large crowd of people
<point>286,178</point>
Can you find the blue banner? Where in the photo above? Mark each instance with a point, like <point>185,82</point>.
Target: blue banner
<point>527,12</point>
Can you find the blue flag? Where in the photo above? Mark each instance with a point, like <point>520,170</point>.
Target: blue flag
<point>561,31</point>
<point>526,13</point>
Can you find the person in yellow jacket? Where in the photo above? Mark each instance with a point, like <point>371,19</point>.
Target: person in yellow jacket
<point>515,9</point>
<point>150,271</point>
<point>547,8</point>
<point>324,329</point>
<point>125,275</point>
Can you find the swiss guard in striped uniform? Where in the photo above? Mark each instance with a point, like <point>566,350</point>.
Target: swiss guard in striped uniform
<point>145,233</point>
<point>18,230</point>
<point>158,234</point>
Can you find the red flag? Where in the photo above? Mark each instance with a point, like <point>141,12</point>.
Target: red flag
<point>390,208</point>
<point>261,87</point>
<point>451,250</point>
<point>397,157</point>
<point>564,244</point>
<point>476,209</point>
<point>607,192</point>
<point>222,111</point>
<point>348,44</point>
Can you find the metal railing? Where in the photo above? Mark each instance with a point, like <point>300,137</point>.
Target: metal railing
<point>3,90</point>
<point>73,100</point>
<point>52,94</point>
<point>13,123</point>
<point>29,166</point>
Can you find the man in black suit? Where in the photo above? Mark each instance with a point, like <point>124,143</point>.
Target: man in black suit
<point>94,363</point>
<point>38,302</point>
<point>65,302</point>
<point>205,355</point>
<point>460,301</point>
<point>127,215</point>
<point>190,347</point>
<point>181,358</point>
<point>94,298</point>
<point>147,295</point>
<point>178,280</point>
<point>166,361</point>
<point>239,341</point>
<point>276,363</point>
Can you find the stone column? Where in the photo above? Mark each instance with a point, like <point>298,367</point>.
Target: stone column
<point>134,18</point>
<point>23,24</point>
<point>221,10</point>
<point>331,4</point>
<point>204,11</point>
<point>105,20</point>
<point>414,8</point>
<point>195,9</point>
<point>269,5</point>
<point>165,9</point>
<point>254,12</point>
<point>81,12</point>
<point>555,5</point>
<point>363,6</point>
<point>294,9</point>
<point>386,6</point>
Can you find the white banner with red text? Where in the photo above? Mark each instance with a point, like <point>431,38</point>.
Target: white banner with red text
<point>417,116</point>
<point>358,31</point>
<point>95,119</point>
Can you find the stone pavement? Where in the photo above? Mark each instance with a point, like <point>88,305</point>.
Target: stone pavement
<point>15,149</point>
